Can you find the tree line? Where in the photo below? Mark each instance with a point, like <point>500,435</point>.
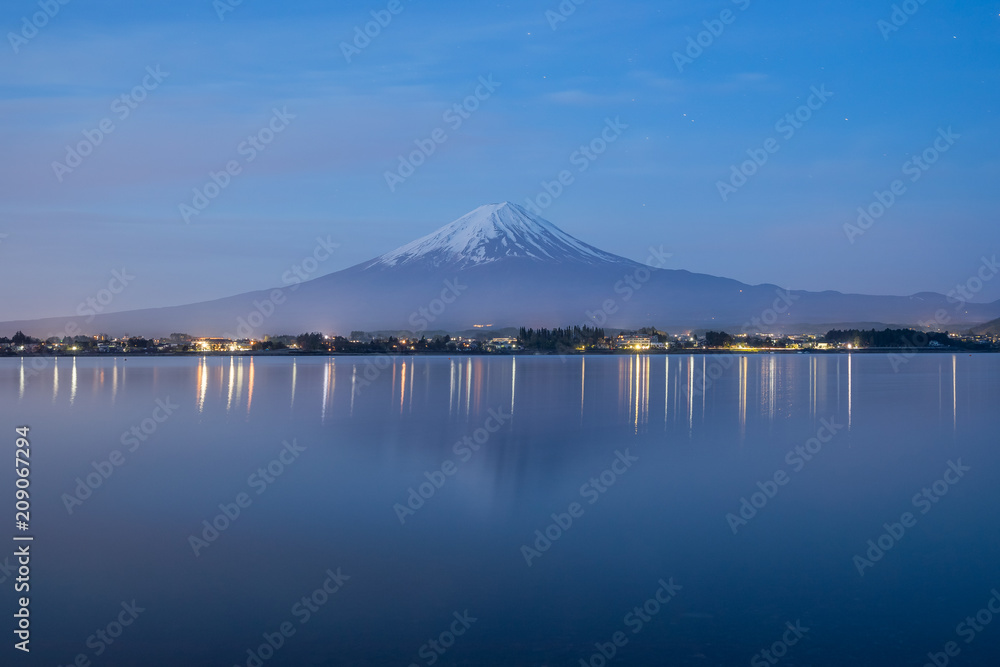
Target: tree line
<point>560,339</point>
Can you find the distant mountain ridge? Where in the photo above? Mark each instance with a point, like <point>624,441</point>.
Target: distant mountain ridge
<point>991,328</point>
<point>500,265</point>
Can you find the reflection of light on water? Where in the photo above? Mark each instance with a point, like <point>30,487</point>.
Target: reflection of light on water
<point>768,383</point>
<point>635,368</point>
<point>412,373</point>
<point>479,375</point>
<point>329,386</point>
<point>690,392</point>
<point>636,380</point>
<point>20,388</point>
<point>239,380</point>
<point>468,385</point>
<point>114,382</point>
<point>72,383</point>
<point>232,382</point>
<point>583,379</point>
<point>202,382</point>
<point>451,388</point>
<point>354,383</point>
<point>295,371</point>
<point>850,390</point>
<point>220,373</point>
<point>402,389</point>
<point>623,385</point>
<point>812,385</point>
<point>55,380</point>
<point>250,388</point>
<point>954,391</point>
<point>645,392</point>
<point>666,387</point>
<point>513,382</point>
<point>744,372</point>
<point>838,384</point>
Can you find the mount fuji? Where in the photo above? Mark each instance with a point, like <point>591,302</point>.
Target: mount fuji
<point>493,233</point>
<point>500,265</point>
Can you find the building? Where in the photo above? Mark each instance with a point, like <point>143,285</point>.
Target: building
<point>633,342</point>
<point>502,343</point>
<point>215,345</point>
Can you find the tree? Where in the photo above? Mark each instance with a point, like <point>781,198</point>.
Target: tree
<point>19,338</point>
<point>309,342</point>
<point>717,339</point>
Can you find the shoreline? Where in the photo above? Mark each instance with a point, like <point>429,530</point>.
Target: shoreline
<point>470,353</point>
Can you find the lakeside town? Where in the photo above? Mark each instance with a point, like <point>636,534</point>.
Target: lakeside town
<point>569,340</point>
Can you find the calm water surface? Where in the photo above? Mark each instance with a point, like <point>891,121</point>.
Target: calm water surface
<point>421,483</point>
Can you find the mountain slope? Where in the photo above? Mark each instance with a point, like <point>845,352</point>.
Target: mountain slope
<point>500,265</point>
<point>991,328</point>
<point>493,233</point>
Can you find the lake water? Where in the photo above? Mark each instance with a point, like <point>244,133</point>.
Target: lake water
<point>412,489</point>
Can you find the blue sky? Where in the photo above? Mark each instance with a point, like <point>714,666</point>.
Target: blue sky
<point>656,184</point>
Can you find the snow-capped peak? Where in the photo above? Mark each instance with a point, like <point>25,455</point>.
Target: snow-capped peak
<point>491,233</point>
